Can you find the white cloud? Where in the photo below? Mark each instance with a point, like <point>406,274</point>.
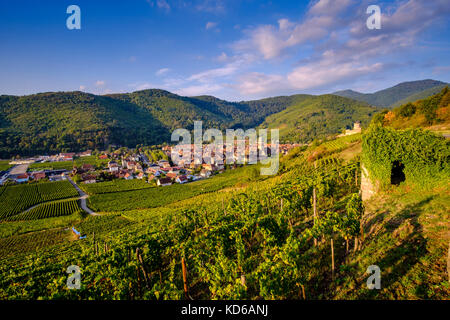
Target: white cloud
<point>210,25</point>
<point>162,71</point>
<point>82,88</point>
<point>100,83</point>
<point>344,49</point>
<point>258,83</point>
<point>325,73</point>
<point>201,89</point>
<point>161,4</point>
<point>213,6</point>
<point>223,57</point>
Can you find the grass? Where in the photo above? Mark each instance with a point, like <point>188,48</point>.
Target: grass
<point>407,236</point>
<point>4,165</point>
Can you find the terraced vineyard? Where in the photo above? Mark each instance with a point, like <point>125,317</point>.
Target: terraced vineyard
<point>16,199</point>
<point>342,143</point>
<point>49,210</point>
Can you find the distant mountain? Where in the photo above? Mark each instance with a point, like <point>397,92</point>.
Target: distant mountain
<point>420,95</point>
<point>400,93</point>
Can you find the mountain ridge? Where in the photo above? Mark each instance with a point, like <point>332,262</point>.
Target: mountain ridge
<point>389,97</point>
<point>74,121</point>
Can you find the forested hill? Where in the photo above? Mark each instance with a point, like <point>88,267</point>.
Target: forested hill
<point>63,121</point>
<point>432,112</point>
<point>312,117</point>
<point>73,121</point>
<point>401,93</point>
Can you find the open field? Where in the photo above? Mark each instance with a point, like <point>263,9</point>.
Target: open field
<point>4,165</point>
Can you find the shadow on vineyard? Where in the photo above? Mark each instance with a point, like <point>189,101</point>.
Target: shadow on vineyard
<point>410,247</point>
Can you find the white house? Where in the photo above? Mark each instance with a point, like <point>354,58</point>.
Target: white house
<point>164,182</point>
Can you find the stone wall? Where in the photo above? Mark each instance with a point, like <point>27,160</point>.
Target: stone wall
<point>368,188</point>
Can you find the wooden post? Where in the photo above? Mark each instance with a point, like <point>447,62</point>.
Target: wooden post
<point>144,271</point>
<point>448,262</point>
<point>185,284</point>
<point>314,211</point>
<point>303,292</point>
<point>332,258</point>
<point>139,281</point>
<point>243,280</point>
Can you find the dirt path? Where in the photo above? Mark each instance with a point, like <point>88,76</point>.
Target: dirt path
<point>83,197</point>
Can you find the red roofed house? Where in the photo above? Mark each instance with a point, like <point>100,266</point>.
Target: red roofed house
<point>171,175</point>
<point>181,179</point>
<point>38,175</point>
<point>22,178</point>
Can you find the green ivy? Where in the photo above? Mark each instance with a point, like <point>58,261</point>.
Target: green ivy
<point>424,154</point>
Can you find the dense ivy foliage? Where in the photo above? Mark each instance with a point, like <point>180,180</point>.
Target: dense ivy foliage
<point>425,155</point>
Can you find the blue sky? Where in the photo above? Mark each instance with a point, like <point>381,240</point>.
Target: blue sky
<point>232,49</point>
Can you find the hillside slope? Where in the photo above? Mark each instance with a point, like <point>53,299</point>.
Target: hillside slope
<point>63,121</point>
<point>311,117</point>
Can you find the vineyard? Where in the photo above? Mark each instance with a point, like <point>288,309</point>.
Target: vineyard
<point>18,198</point>
<point>49,210</point>
<point>68,165</point>
<point>341,143</point>
<point>302,234</point>
<point>159,196</point>
<point>56,165</point>
<point>116,185</point>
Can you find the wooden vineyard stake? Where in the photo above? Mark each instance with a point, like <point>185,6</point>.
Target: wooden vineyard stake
<point>303,292</point>
<point>185,284</point>
<point>332,258</point>
<point>314,211</point>
<point>141,262</point>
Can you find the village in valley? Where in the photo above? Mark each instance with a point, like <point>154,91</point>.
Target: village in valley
<point>121,163</point>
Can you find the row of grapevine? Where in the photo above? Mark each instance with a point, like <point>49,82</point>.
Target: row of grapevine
<point>341,143</point>
<point>49,210</point>
<point>116,185</point>
<point>16,199</point>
